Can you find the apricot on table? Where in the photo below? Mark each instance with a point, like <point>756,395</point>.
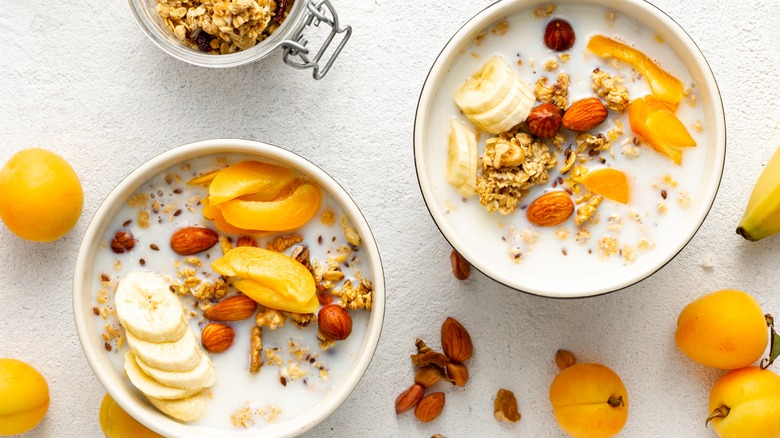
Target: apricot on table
<point>589,401</point>
<point>663,85</point>
<point>282,214</point>
<point>724,329</point>
<point>24,397</point>
<point>40,195</point>
<point>270,278</point>
<point>746,403</point>
<point>116,423</point>
<point>655,122</point>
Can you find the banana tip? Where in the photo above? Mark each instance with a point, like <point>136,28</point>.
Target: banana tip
<point>744,233</point>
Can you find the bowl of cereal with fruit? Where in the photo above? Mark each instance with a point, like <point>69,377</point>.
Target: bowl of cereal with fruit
<point>228,287</point>
<point>569,149</point>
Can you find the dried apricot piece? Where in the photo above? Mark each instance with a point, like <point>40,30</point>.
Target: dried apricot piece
<point>274,278</point>
<point>249,177</point>
<point>656,123</point>
<point>609,183</point>
<point>283,214</point>
<point>663,85</point>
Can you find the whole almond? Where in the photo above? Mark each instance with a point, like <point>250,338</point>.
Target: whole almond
<point>458,374</point>
<point>235,308</point>
<point>456,341</point>
<point>429,407</point>
<point>461,268</point>
<point>564,359</point>
<point>217,337</point>
<point>409,398</point>
<point>192,240</point>
<point>585,114</point>
<point>427,376</point>
<point>550,209</point>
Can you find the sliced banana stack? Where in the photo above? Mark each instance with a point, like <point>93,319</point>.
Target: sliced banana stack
<point>494,98</point>
<point>462,156</point>
<point>165,361</point>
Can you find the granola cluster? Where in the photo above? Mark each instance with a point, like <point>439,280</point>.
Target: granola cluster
<point>609,88</point>
<point>557,93</point>
<point>222,26</point>
<point>500,186</point>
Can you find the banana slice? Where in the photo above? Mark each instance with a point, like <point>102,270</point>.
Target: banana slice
<point>187,409</point>
<point>462,157</point>
<point>180,356</point>
<point>150,387</point>
<point>486,88</point>
<point>508,113</point>
<point>202,376</point>
<point>147,308</point>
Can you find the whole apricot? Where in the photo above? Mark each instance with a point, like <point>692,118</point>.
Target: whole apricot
<point>116,423</point>
<point>24,397</point>
<point>724,329</point>
<point>589,401</point>
<point>746,403</point>
<point>40,195</point>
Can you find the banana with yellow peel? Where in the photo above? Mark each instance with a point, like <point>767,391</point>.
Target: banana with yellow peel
<point>762,215</point>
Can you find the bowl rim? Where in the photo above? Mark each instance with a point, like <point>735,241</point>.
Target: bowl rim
<point>450,51</point>
<point>107,376</point>
<point>191,56</point>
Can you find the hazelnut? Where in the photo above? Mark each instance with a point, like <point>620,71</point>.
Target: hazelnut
<point>559,35</point>
<point>335,323</point>
<point>123,241</point>
<point>544,120</point>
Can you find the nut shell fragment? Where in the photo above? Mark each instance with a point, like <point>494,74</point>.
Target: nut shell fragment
<point>505,407</point>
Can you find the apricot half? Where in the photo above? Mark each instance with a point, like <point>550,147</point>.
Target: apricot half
<point>746,403</point>
<point>270,278</point>
<point>249,177</point>
<point>589,401</point>
<point>283,214</point>
<point>663,85</point>
<point>655,122</point>
<point>24,397</point>
<point>724,329</point>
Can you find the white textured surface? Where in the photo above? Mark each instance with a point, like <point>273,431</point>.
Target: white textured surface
<point>82,80</point>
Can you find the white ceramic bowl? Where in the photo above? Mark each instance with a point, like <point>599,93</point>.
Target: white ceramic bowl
<point>84,294</point>
<point>465,232</point>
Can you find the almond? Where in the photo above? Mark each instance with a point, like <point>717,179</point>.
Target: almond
<point>409,398</point>
<point>192,240</point>
<point>585,114</point>
<point>235,308</point>
<point>217,337</point>
<point>550,209</point>
<point>456,341</point>
<point>564,359</point>
<point>461,268</point>
<point>429,407</point>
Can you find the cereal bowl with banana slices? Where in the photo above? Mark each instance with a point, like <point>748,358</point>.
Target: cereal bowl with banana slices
<point>569,149</point>
<point>228,287</point>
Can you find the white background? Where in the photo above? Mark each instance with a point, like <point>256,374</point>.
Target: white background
<point>81,79</point>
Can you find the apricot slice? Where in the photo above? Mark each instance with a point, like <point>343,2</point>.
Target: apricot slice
<point>205,179</point>
<point>663,85</point>
<point>270,273</point>
<point>272,300</point>
<point>652,119</point>
<point>609,183</point>
<point>214,214</point>
<point>248,177</point>
<point>280,215</point>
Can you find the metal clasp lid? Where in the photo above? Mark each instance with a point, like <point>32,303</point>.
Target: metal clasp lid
<point>296,54</point>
